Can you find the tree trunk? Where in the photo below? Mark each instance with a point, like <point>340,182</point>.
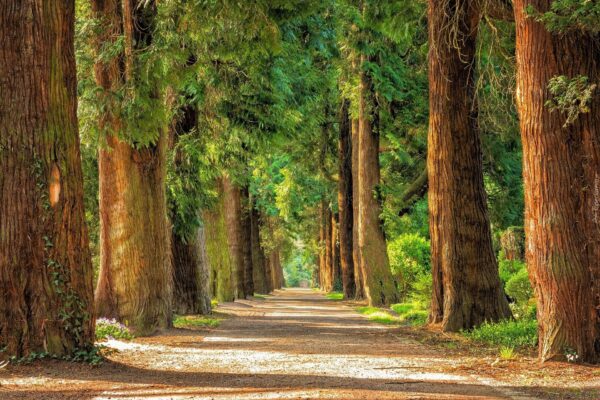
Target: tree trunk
<point>218,251</point>
<point>345,203</point>
<point>135,278</point>
<point>262,276</point>
<point>379,285</point>
<point>190,274</point>
<point>246,241</point>
<point>561,168</point>
<point>45,266</point>
<point>466,286</point>
<point>358,280</point>
<point>233,218</point>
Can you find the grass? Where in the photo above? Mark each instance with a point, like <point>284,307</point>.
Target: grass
<point>335,296</point>
<point>195,321</point>
<point>510,334</point>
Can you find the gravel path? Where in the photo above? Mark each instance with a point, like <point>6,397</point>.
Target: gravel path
<point>293,344</point>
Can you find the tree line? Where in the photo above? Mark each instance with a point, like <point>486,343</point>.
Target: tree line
<point>155,155</point>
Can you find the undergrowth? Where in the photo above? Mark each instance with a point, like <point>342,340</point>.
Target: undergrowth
<point>195,321</point>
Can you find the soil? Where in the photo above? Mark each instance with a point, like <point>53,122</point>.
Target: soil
<point>297,344</point>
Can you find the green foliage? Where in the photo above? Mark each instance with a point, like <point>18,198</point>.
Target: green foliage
<point>509,333</point>
<point>570,15</point>
<point>195,321</point>
<point>519,288</point>
<point>409,256</point>
<point>111,328</point>
<point>335,295</point>
<point>571,96</point>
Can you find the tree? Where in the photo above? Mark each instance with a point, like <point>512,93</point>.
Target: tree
<point>561,158</point>
<point>45,266</point>
<point>377,279</point>
<point>466,286</point>
<point>345,203</point>
<point>135,278</point>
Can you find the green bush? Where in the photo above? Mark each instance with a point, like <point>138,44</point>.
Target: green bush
<point>111,328</point>
<point>409,259</point>
<point>508,333</point>
<point>519,288</point>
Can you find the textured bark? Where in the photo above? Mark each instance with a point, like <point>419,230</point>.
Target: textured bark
<point>45,266</point>
<point>345,203</point>
<point>135,278</point>
<point>562,187</point>
<point>261,274</point>
<point>379,285</point>
<point>217,250</point>
<point>246,241</point>
<point>466,287</point>
<point>336,271</point>
<point>191,293</point>
<point>358,280</point>
<point>233,218</point>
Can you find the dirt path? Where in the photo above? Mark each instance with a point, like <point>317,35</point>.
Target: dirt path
<point>294,344</point>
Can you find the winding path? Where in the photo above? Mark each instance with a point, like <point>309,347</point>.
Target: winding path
<point>293,344</point>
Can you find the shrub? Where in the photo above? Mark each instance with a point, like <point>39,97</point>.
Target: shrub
<point>111,328</point>
<point>409,259</point>
<point>508,333</point>
<point>519,288</point>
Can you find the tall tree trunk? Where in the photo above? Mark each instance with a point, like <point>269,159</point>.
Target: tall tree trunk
<point>328,273</point>
<point>190,274</point>
<point>336,268</point>
<point>45,266</point>
<point>135,278</point>
<point>218,250</point>
<point>358,280</point>
<point>261,274</point>
<point>466,286</point>
<point>561,168</point>
<point>233,218</point>
<point>246,241</point>
<point>379,285</point>
<point>345,203</point>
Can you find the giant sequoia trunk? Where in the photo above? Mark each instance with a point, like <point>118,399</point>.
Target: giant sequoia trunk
<point>45,267</point>
<point>466,287</point>
<point>345,203</point>
<point>217,250</point>
<point>191,293</point>
<point>561,167</point>
<point>246,241</point>
<point>358,280</point>
<point>233,218</point>
<point>135,278</point>
<point>261,274</point>
<point>379,286</point>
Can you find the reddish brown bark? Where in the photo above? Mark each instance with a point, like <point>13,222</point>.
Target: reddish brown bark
<point>246,241</point>
<point>135,278</point>
<point>345,203</point>
<point>261,274</point>
<point>379,286</point>
<point>561,168</point>
<point>190,274</point>
<point>466,286</point>
<point>355,247</point>
<point>45,267</point>
<point>233,217</point>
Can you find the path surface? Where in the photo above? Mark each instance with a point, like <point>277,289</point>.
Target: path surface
<point>294,344</point>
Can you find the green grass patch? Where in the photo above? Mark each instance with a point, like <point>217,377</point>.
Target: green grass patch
<point>379,315</point>
<point>411,313</point>
<point>509,333</point>
<point>335,296</point>
<point>195,321</point>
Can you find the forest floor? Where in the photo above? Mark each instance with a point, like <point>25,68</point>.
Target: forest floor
<point>299,344</point>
